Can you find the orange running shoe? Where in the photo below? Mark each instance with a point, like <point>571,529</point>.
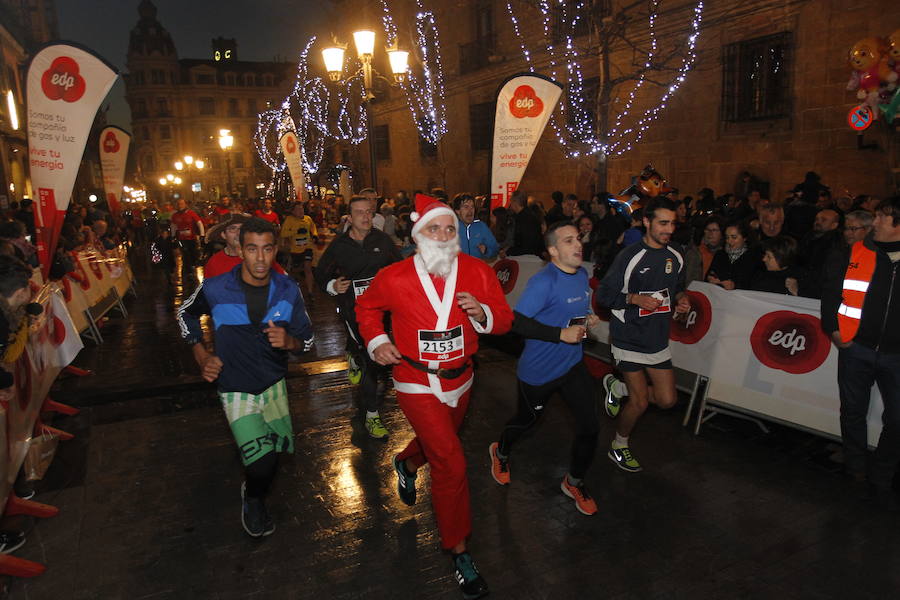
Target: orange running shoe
<point>583,501</point>
<point>499,466</point>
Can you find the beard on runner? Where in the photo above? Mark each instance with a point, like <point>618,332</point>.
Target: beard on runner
<point>437,256</point>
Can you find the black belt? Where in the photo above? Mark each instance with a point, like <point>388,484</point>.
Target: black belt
<point>442,373</point>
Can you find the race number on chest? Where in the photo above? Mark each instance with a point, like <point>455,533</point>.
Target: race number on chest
<point>441,345</point>
<point>360,286</point>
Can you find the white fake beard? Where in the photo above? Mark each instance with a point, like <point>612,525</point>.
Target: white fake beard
<point>438,256</point>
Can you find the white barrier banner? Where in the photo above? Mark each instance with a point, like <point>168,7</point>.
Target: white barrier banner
<point>524,105</point>
<point>65,86</point>
<point>114,144</point>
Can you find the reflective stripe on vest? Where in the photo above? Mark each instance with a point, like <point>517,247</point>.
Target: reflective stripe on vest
<point>856,284</point>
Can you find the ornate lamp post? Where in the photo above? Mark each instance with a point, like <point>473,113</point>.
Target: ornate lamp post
<point>188,163</point>
<point>226,141</point>
<point>333,56</point>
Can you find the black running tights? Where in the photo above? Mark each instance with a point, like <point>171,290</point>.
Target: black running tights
<point>577,389</point>
<point>260,474</point>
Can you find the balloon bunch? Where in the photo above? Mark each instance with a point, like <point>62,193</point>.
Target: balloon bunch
<point>876,70</point>
<point>648,184</point>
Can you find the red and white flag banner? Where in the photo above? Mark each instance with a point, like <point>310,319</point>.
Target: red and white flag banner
<point>114,144</point>
<point>293,156</point>
<point>65,86</point>
<point>524,105</point>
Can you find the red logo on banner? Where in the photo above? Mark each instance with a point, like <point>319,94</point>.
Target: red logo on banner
<point>789,341</point>
<point>691,329</point>
<point>507,273</point>
<point>111,143</point>
<point>525,103</point>
<point>94,264</point>
<point>62,80</point>
<point>290,145</point>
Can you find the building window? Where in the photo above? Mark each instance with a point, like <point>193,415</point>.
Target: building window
<point>165,132</point>
<point>233,108</point>
<point>204,79</point>
<point>230,79</point>
<point>565,13</point>
<point>238,160</point>
<point>270,81</point>
<point>157,77</point>
<point>140,108</point>
<point>162,107</point>
<point>207,106</point>
<point>382,142</point>
<point>248,79</point>
<point>138,78</point>
<point>173,77</point>
<point>476,54</point>
<point>251,107</point>
<point>427,148</point>
<point>756,78</point>
<point>481,119</point>
<point>149,163</point>
<point>145,133</point>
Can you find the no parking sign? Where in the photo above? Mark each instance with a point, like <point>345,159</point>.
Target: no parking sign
<point>860,117</point>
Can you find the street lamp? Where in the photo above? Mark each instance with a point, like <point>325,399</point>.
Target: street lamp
<point>188,163</point>
<point>364,40</point>
<point>226,141</point>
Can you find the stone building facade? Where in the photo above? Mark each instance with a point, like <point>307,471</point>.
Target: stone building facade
<point>706,136</point>
<point>178,105</point>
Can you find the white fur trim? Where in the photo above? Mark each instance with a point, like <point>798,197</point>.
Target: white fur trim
<point>413,216</point>
<point>488,324</point>
<point>434,212</point>
<point>375,342</point>
<point>448,397</point>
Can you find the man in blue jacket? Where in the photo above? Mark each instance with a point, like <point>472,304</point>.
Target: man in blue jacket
<point>475,237</point>
<point>258,316</point>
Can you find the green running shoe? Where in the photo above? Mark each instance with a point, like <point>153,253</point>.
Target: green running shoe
<point>375,427</point>
<point>624,459</point>
<point>354,371</point>
<point>612,403</point>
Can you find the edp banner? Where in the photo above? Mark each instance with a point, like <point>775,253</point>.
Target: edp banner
<point>524,105</point>
<point>65,86</point>
<point>293,156</point>
<point>114,144</point>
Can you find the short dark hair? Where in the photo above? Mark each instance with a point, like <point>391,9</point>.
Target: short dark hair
<point>655,204</point>
<point>550,235</point>
<point>14,275</point>
<point>460,198</point>
<point>744,229</point>
<point>557,196</point>
<point>783,249</point>
<point>890,207</point>
<point>11,230</point>
<point>258,226</point>
<point>357,199</point>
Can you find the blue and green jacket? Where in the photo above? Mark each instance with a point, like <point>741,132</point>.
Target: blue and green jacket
<point>250,363</point>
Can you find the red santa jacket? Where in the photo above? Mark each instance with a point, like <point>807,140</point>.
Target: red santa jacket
<point>428,324</point>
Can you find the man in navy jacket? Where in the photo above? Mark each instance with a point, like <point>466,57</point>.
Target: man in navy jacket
<point>258,316</point>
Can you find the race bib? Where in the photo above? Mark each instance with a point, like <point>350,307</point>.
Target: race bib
<point>580,321</point>
<point>360,286</point>
<point>665,307</point>
<point>441,345</point>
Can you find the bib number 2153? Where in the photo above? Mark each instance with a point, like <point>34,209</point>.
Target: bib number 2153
<point>441,345</point>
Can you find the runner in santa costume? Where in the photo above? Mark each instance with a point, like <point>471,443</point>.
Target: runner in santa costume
<point>439,301</point>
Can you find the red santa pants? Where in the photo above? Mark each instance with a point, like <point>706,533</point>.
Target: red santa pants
<point>437,444</point>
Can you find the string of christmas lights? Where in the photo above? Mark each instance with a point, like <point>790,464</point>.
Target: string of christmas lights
<point>574,123</point>
<point>424,98</point>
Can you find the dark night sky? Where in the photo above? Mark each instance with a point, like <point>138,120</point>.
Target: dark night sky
<point>263,28</point>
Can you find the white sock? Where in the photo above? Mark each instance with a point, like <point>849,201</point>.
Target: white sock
<point>619,388</point>
<point>372,414</point>
<point>620,442</point>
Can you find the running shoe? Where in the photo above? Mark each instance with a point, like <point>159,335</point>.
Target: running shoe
<point>613,403</point>
<point>499,466</point>
<point>254,516</point>
<point>376,428</point>
<point>470,581</point>
<point>406,483</point>
<point>583,501</point>
<point>624,459</point>
<point>354,372</point>
<point>10,541</point>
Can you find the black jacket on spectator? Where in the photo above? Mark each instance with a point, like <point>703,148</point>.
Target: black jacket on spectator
<point>527,236</point>
<point>773,281</point>
<point>812,255</point>
<point>798,219</point>
<point>740,271</point>
<point>879,327</point>
<point>610,227</point>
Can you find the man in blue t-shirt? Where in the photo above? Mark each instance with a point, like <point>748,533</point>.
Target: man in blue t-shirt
<point>553,314</point>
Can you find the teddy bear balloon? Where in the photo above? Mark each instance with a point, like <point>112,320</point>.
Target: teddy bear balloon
<point>868,58</point>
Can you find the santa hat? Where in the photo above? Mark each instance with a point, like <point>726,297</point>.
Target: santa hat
<point>427,208</point>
